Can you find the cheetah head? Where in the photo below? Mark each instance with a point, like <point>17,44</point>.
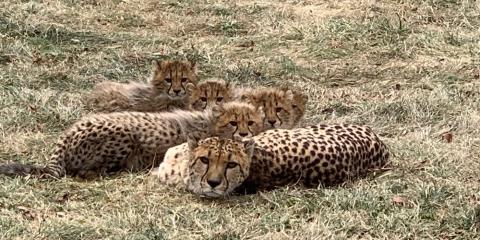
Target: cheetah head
<point>217,166</point>
<point>277,107</point>
<point>209,93</point>
<point>299,105</point>
<point>172,77</point>
<point>237,120</point>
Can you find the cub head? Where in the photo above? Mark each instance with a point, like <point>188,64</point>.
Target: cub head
<point>237,120</point>
<point>217,166</point>
<point>172,77</point>
<point>209,93</point>
<point>299,105</point>
<point>277,107</point>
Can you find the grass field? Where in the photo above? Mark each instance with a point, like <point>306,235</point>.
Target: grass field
<point>410,69</point>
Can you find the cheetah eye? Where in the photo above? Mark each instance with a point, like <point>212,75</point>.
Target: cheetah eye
<point>250,123</point>
<point>233,123</point>
<point>169,80</point>
<point>232,165</point>
<point>204,160</point>
<point>219,99</point>
<point>278,109</point>
<point>184,80</point>
<point>203,99</point>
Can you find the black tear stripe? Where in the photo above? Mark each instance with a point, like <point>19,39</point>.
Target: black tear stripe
<point>205,174</point>
<point>222,146</point>
<point>279,119</point>
<point>171,81</point>
<point>226,179</point>
<point>194,162</point>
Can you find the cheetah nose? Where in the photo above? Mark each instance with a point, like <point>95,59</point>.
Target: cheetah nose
<point>243,134</point>
<point>177,92</point>
<point>213,182</point>
<point>272,122</point>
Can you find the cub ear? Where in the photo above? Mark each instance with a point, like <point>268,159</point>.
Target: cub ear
<point>193,64</point>
<point>249,145</point>
<point>217,110</point>
<point>228,85</point>
<point>192,143</point>
<point>190,88</point>
<point>261,112</point>
<point>158,65</point>
<point>289,95</point>
<point>249,98</point>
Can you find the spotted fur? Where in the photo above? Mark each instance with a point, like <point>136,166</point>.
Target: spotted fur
<point>103,144</point>
<point>319,155</point>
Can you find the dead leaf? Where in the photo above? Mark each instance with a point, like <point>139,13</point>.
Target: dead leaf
<point>63,198</point>
<point>61,214</point>
<point>397,86</point>
<point>399,200</point>
<point>328,110</point>
<point>247,44</point>
<point>27,213</point>
<point>448,136</point>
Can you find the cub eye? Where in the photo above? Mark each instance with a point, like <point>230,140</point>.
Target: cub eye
<point>204,160</point>
<point>278,109</point>
<point>169,80</point>
<point>219,99</point>
<point>232,164</point>
<point>203,99</point>
<point>184,80</point>
<point>250,123</point>
<point>233,123</point>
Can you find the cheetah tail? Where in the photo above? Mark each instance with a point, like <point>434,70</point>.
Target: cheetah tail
<point>20,170</point>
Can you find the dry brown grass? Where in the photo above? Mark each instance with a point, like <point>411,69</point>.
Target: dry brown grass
<point>410,69</point>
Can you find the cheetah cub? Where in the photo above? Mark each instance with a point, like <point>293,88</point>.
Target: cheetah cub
<point>167,90</point>
<point>103,144</point>
<point>209,93</point>
<point>283,107</point>
<point>325,155</point>
<point>280,108</point>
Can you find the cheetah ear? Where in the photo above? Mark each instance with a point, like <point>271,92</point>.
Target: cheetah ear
<point>158,65</point>
<point>192,143</point>
<point>304,97</point>
<point>228,85</point>
<point>249,98</point>
<point>249,145</point>
<point>289,95</point>
<point>261,112</point>
<point>193,64</point>
<point>217,110</point>
<point>190,88</point>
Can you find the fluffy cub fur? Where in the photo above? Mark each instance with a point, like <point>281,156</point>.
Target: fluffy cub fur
<point>167,90</point>
<point>209,93</point>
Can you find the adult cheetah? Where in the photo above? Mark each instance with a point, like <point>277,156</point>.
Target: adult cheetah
<point>167,90</point>
<point>324,155</point>
<point>103,144</point>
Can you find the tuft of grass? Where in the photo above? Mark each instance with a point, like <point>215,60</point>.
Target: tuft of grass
<point>408,69</point>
